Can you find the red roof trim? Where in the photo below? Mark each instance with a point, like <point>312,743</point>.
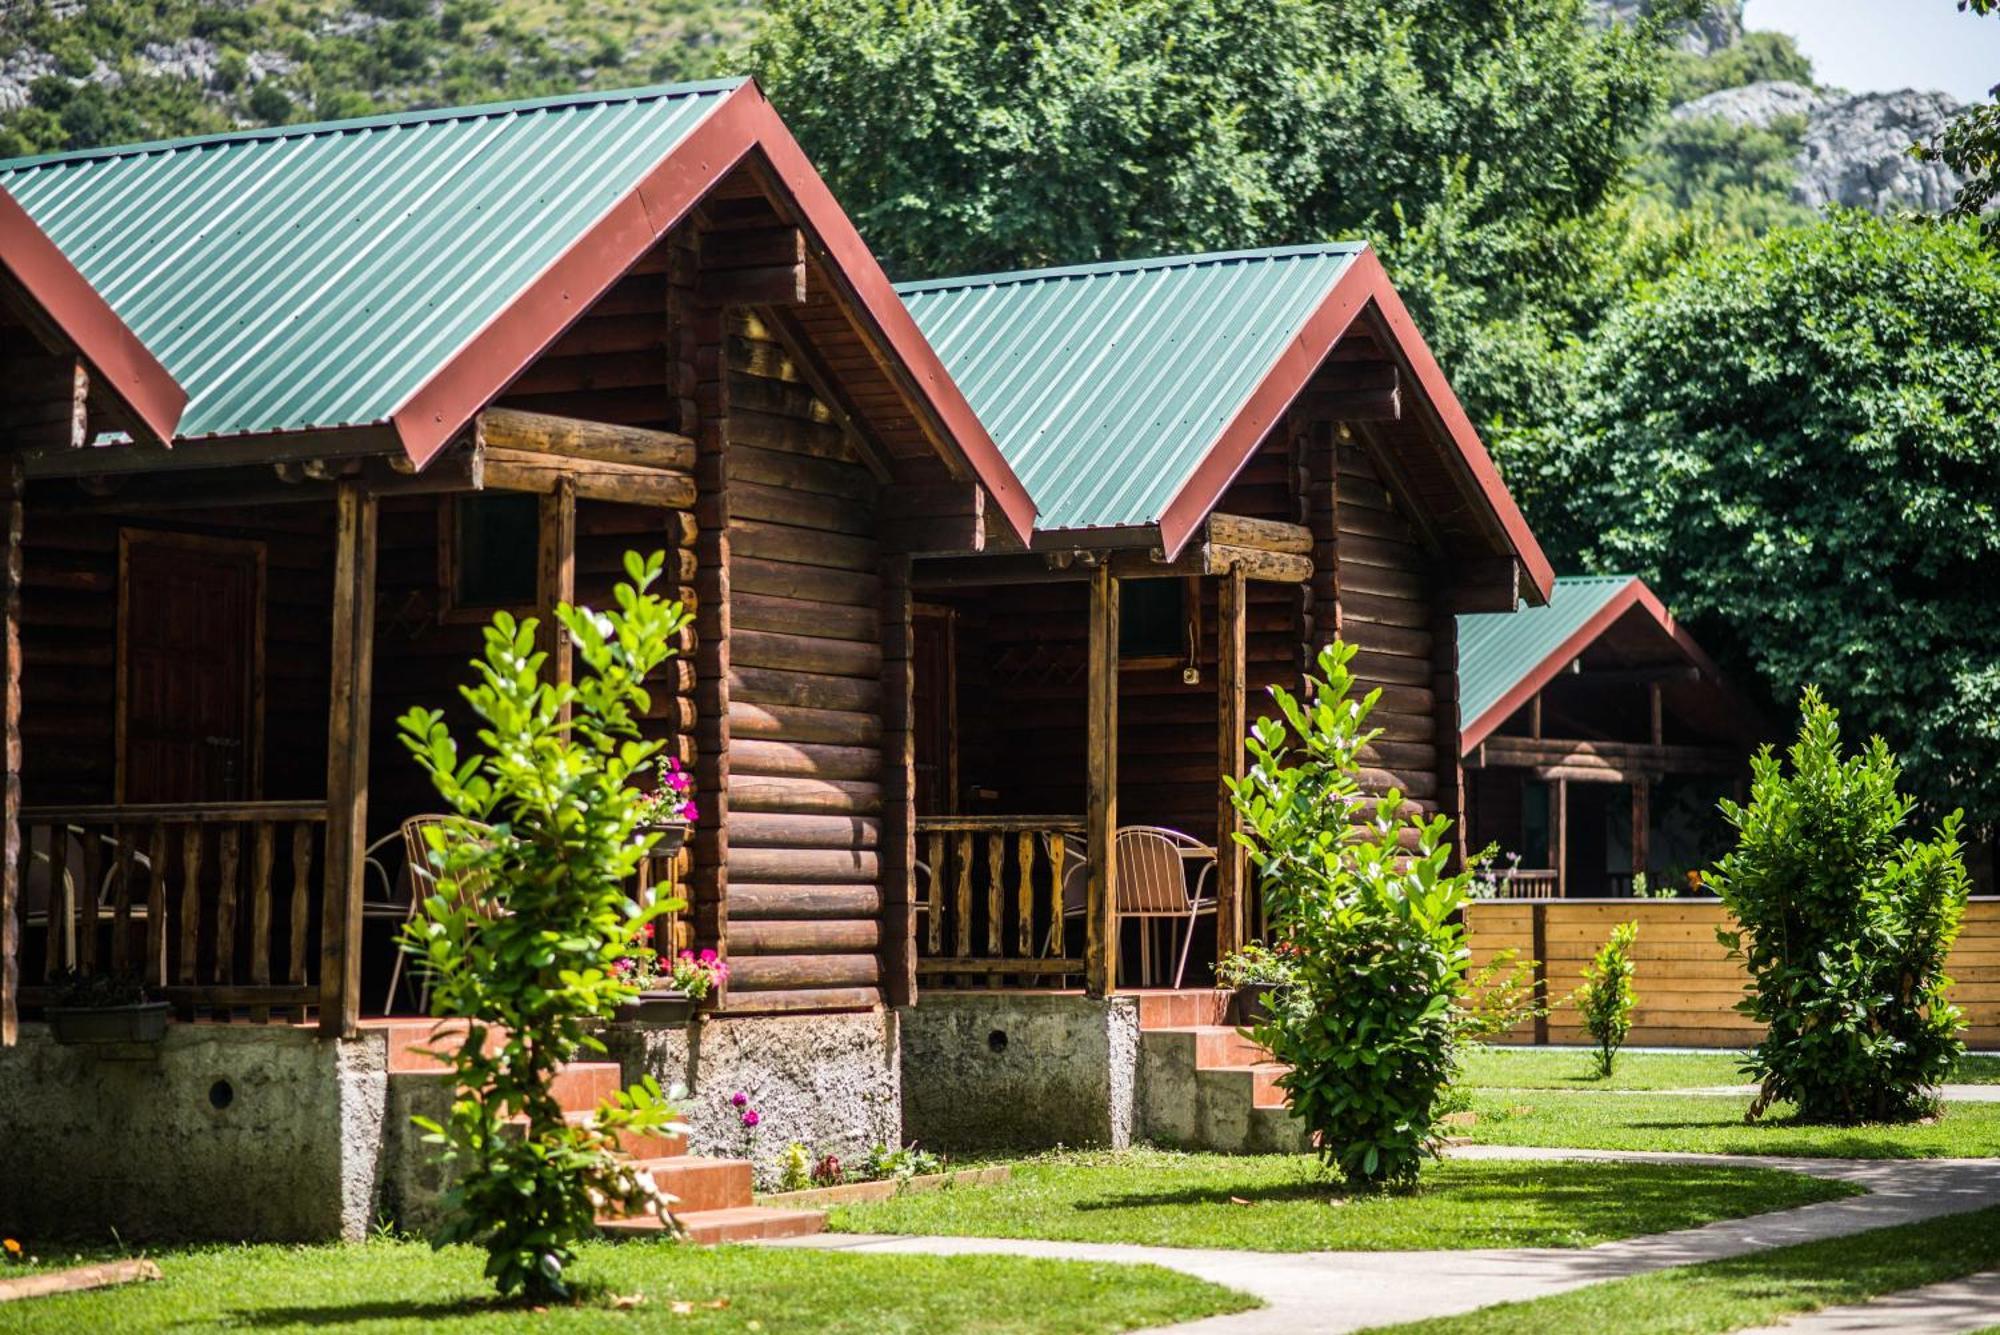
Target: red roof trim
<point>1634,594</point>
<point>152,398</point>
<point>1361,283</point>
<point>742,121</point>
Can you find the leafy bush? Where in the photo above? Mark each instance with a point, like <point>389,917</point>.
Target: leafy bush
<point>1606,998</point>
<point>528,917</point>
<point>1370,1026</point>
<point>1844,922</point>
<point>1257,963</point>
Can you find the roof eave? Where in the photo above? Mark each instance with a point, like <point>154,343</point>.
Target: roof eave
<point>742,120</point>
<point>153,400</point>
<point>1551,664</point>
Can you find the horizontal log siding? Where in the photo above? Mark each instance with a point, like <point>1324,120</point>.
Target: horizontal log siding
<point>1685,981</point>
<point>806,701</point>
<point>69,639</point>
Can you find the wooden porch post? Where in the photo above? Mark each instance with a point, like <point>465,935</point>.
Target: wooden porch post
<point>1232,723</point>
<point>347,758</point>
<point>1559,835</point>
<point>1101,768</point>
<point>10,739</point>
<point>558,574</point>
<point>1642,824</point>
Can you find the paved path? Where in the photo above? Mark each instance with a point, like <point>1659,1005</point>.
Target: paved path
<point>1953,1308</point>
<point>1347,1291</point>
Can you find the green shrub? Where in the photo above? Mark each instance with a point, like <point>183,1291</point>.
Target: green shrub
<point>1369,1028</point>
<point>1606,998</point>
<point>528,916</point>
<point>1844,921</point>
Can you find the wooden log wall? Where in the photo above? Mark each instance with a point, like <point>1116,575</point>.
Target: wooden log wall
<point>69,638</point>
<point>1685,981</point>
<point>806,697</point>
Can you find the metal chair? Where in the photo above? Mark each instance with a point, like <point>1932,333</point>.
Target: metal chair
<point>422,871</point>
<point>39,897</point>
<point>387,898</point>
<point>1153,883</point>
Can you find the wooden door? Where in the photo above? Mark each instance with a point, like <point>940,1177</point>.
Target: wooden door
<point>934,707</point>
<point>190,663</point>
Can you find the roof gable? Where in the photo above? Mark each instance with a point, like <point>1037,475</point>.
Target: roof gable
<point>1106,385</point>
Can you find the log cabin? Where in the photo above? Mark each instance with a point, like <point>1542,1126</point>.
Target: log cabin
<point>1235,459</point>
<point>1598,738</point>
<point>439,364</point>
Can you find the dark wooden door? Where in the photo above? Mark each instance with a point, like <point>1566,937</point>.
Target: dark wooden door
<point>934,687</point>
<point>190,635</point>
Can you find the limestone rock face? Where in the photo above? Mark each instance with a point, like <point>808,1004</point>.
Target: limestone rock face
<point>1856,153</point>
<point>1754,104</point>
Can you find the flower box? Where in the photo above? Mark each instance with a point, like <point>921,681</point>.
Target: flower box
<point>1251,1003</point>
<point>658,1006</point>
<point>144,1022</point>
<point>673,835</point>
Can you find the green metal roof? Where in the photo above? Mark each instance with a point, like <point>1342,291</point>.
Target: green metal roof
<point>317,275</point>
<point>1497,650</point>
<point>1106,385</point>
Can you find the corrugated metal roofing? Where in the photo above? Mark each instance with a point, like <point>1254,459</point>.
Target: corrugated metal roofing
<point>1105,385</point>
<point>317,275</point>
<point>1496,650</point>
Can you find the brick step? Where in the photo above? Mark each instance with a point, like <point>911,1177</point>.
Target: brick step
<point>1183,1008</point>
<point>1220,1045</point>
<point>580,1086</point>
<point>410,1042</point>
<point>748,1223</point>
<point>700,1184</point>
<point>641,1144</point>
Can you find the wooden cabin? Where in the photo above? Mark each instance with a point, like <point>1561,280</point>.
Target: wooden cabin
<point>68,367</point>
<point>439,364</point>
<point>1235,458</point>
<point>1598,738</point>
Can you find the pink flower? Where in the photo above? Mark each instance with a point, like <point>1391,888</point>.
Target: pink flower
<point>707,956</point>
<point>739,1098</point>
<point>690,812</point>
<point>750,1117</point>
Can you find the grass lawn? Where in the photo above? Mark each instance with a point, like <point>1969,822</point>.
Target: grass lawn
<point>1276,1203</point>
<point>405,1286</point>
<point>1695,1122</point>
<point>1576,1068</point>
<point>1753,1290</point>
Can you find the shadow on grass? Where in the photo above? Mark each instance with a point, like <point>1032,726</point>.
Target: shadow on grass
<point>435,1313</point>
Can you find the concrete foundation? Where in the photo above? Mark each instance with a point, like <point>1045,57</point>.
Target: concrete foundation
<point>265,1132</point>
<point>1019,1070</point>
<point>831,1082</point>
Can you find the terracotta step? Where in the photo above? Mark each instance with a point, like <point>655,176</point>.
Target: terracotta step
<point>1220,1045</point>
<point>581,1086</point>
<point>641,1144</point>
<point>699,1184</point>
<point>749,1223</point>
<point>409,1040</point>
<point>1185,1008</point>
<point>1264,1091</point>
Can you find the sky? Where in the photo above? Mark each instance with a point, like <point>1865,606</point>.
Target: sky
<point>1876,45</point>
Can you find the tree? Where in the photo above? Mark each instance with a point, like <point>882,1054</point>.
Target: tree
<point>1796,441</point>
<point>1479,147</point>
<point>1970,146</point>
<point>1606,999</point>
<point>1844,921</point>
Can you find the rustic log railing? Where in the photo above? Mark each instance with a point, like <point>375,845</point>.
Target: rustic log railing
<point>990,897</point>
<point>216,906</point>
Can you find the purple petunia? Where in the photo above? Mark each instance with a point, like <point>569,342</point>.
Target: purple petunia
<point>739,1098</point>
<point>750,1117</point>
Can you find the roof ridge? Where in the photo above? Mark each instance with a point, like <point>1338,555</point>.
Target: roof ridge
<point>1105,267</point>
<point>384,120</point>
<point>1593,579</point>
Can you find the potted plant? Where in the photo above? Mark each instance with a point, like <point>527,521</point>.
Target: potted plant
<point>669,994</point>
<point>668,809</point>
<point>1255,972</point>
<point>105,1008</point>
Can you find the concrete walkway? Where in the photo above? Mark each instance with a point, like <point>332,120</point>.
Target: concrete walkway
<point>1959,1306</point>
<point>1347,1291</point>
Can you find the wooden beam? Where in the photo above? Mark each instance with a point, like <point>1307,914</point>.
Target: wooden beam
<point>1559,834</point>
<point>557,576</point>
<point>347,759</point>
<point>825,385</point>
<point>459,471</point>
<point>1269,535</point>
<point>1232,723</point>
<point>1256,563</point>
<point>899,811</point>
<point>517,470</point>
<point>575,438</point>
<point>10,746</point>
<point>765,285</point>
<point>230,452</point>
<point>1100,977</point>
<point>1642,824</point>
<point>1656,716</point>
<point>1502,749</point>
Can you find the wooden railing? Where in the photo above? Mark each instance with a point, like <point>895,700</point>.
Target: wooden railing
<point>990,896</point>
<point>216,906</point>
<point>1520,884</point>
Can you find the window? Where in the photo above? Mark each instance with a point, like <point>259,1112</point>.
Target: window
<point>1153,620</point>
<point>492,551</point>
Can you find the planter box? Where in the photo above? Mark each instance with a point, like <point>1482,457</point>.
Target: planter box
<point>658,1007</point>
<point>848,1193</point>
<point>1251,1004</point>
<point>673,834</point>
<point>146,1023</point>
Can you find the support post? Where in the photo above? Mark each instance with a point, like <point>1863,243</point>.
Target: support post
<point>1231,725</point>
<point>1656,714</point>
<point>10,741</point>
<point>899,787</point>
<point>1101,767</point>
<point>1559,835</point>
<point>558,576</point>
<point>1642,824</point>
<point>1538,946</point>
<point>347,759</point>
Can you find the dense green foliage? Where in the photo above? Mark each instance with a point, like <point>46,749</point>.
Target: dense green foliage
<point>527,919</point>
<point>1369,1026</point>
<point>1755,57</point>
<point>1480,148</point>
<point>1844,922</point>
<point>1606,999</point>
<point>1734,179</point>
<point>1970,146</point>
<point>1795,441</point>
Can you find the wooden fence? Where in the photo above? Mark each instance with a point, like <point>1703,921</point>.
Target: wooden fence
<point>992,897</point>
<point>1685,980</point>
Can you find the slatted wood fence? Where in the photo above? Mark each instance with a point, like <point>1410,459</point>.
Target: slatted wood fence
<point>1686,983</point>
<point>991,897</point>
